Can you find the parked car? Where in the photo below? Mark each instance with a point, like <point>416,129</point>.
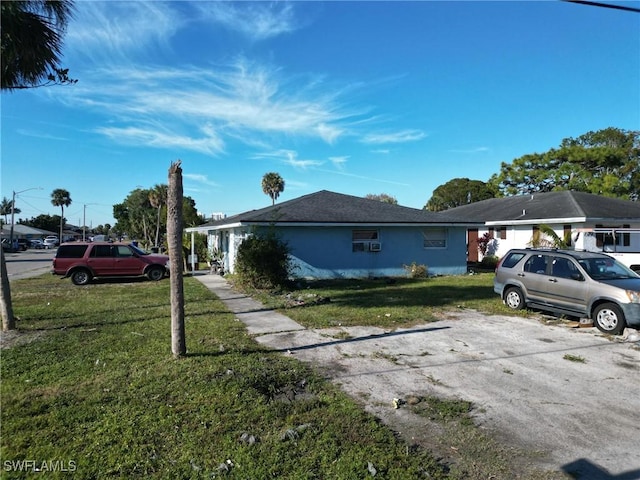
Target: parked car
<point>84,261</point>
<point>36,243</point>
<point>51,241</point>
<point>6,246</point>
<point>571,282</point>
<point>23,244</point>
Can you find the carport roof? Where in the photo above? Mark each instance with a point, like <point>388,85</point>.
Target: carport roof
<point>548,205</point>
<point>325,207</point>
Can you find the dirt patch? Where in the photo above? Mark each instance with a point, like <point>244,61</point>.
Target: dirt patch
<point>14,338</point>
<point>521,376</point>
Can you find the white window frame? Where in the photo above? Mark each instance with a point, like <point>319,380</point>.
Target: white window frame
<point>435,238</point>
<point>362,238</point>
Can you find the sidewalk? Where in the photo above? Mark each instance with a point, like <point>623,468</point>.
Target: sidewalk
<point>258,319</point>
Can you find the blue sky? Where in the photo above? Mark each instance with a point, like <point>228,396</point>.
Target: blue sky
<point>353,97</point>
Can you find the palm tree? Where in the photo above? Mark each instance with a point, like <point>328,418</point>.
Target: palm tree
<point>5,208</point>
<point>61,198</point>
<point>272,185</point>
<point>32,32</point>
<point>174,241</point>
<point>546,237</point>
<point>158,198</point>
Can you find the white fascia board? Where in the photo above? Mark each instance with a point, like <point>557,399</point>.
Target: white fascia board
<point>536,221</point>
<point>352,225</point>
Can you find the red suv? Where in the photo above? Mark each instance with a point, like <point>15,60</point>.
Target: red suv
<point>84,261</point>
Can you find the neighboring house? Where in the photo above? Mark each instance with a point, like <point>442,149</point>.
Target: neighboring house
<point>514,221</point>
<point>24,231</point>
<point>331,235</point>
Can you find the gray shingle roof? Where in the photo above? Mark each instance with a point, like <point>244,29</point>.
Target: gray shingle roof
<point>332,208</point>
<point>539,206</point>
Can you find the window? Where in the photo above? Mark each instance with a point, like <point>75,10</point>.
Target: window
<point>71,251</point>
<point>536,264</point>
<point>435,238</point>
<point>502,233</point>
<point>512,260</point>
<point>124,251</point>
<point>608,239</point>
<point>102,251</point>
<point>361,239</point>
<point>563,268</point>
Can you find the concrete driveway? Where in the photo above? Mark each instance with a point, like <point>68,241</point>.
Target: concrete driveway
<point>571,394</point>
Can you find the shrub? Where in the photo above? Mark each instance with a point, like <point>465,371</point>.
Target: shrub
<point>416,271</point>
<point>263,262</point>
<point>490,261</point>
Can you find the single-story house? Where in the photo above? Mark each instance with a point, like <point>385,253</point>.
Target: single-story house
<point>332,235</point>
<point>24,231</point>
<point>588,221</point>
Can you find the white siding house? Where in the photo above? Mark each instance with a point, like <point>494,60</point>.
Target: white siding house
<point>579,217</point>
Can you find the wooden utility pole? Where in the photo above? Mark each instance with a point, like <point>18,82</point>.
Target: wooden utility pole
<point>174,240</point>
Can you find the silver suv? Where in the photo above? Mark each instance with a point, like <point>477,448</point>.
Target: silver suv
<point>571,282</point>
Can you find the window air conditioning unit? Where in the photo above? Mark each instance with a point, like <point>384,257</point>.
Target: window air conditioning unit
<point>375,246</point>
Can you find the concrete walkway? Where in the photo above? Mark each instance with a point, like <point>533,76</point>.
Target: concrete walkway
<point>258,319</point>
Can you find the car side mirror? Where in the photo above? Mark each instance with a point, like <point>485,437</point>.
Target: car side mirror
<point>577,276</point>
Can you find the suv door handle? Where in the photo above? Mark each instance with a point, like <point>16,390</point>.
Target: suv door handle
<point>553,280</point>
<point>520,274</point>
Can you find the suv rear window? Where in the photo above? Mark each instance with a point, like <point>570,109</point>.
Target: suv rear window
<point>512,259</point>
<point>71,251</point>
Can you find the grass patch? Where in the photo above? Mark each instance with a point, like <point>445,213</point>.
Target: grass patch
<point>98,387</point>
<point>99,390</point>
<point>574,358</point>
<point>404,302</point>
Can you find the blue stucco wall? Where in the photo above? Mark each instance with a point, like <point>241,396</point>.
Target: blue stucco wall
<point>326,252</point>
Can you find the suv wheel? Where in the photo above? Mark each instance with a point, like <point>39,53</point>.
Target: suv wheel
<point>155,273</point>
<point>609,318</point>
<point>514,299</point>
<point>80,277</point>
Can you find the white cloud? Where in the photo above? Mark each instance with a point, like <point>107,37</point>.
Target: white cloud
<point>155,138</point>
<point>472,150</point>
<point>289,157</point>
<point>339,162</point>
<point>116,29</point>
<point>244,101</point>
<point>396,137</point>
<point>256,20</point>
<point>200,178</point>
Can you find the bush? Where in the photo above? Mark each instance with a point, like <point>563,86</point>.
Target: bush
<point>263,263</point>
<point>416,271</point>
<point>490,261</point>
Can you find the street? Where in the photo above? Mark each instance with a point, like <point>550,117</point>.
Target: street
<point>29,263</point>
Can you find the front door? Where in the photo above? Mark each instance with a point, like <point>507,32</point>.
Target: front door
<point>102,259</point>
<point>472,245</point>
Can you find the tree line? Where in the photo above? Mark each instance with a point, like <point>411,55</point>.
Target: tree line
<point>605,162</point>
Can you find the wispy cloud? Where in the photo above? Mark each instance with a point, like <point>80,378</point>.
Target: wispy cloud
<point>339,162</point>
<point>289,157</point>
<point>201,179</point>
<point>256,20</point>
<point>362,177</point>
<point>45,136</point>
<point>139,136</point>
<point>472,150</point>
<point>204,109</point>
<point>394,137</point>
<point>102,30</point>
<point>244,101</point>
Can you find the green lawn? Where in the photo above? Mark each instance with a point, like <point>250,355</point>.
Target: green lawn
<point>97,391</point>
<point>386,303</point>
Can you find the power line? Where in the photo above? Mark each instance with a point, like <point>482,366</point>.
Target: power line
<point>604,5</point>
